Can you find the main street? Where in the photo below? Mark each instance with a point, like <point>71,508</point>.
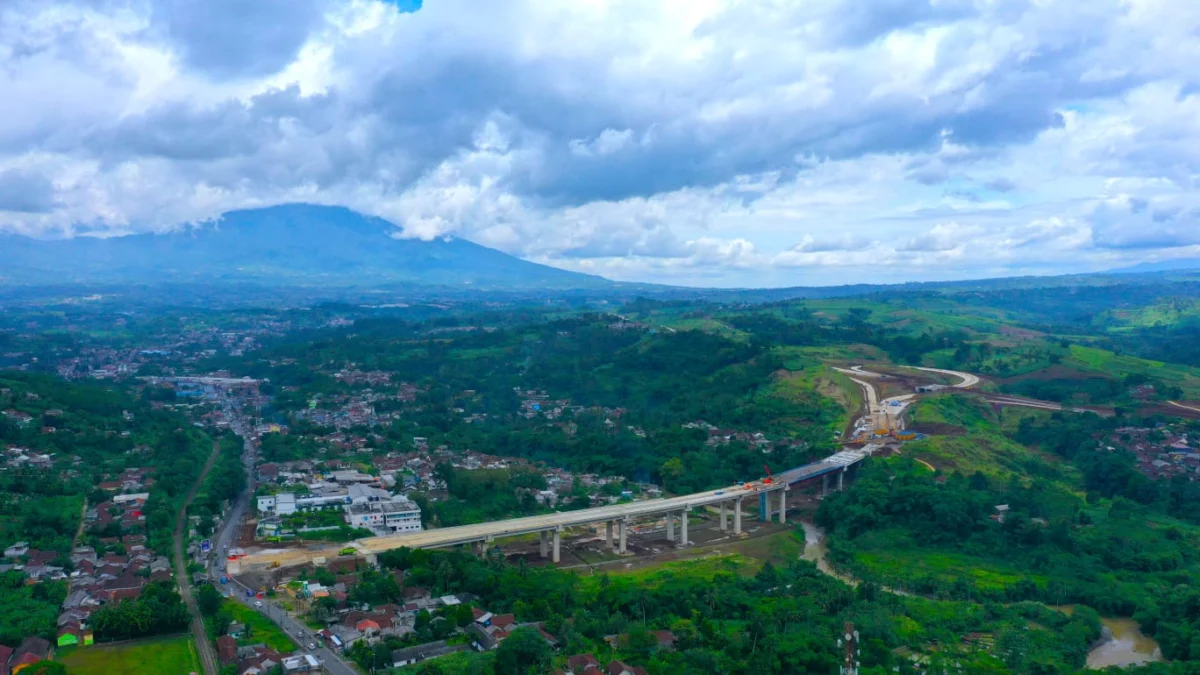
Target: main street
<point>225,539</point>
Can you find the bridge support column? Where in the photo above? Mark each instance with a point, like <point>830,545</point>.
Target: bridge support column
<point>483,547</point>
<point>783,505</point>
<point>737,516</point>
<point>671,527</point>
<point>683,537</point>
<point>622,534</point>
<point>557,544</point>
<point>841,479</point>
<point>824,485</point>
<point>608,528</point>
<point>724,518</point>
<point>543,545</point>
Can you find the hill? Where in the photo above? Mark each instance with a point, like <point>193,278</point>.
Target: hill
<point>295,245</point>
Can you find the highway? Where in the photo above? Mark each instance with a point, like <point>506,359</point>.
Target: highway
<point>485,532</point>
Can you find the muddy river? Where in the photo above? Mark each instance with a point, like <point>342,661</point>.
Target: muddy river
<point>1123,643</point>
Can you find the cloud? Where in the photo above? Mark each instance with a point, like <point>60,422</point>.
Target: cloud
<point>826,137</point>
<point>233,38</point>
<point>1126,222</point>
<point>25,192</point>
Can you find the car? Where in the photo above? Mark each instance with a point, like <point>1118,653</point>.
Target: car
<point>258,603</point>
<point>312,646</point>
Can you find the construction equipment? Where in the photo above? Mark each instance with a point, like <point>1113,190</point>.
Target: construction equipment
<point>767,480</point>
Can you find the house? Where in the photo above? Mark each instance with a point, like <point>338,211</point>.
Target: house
<point>665,639</point>
<point>17,550</point>
<point>429,650</point>
<point>236,630</point>
<point>622,668</point>
<point>580,664</point>
<point>301,663</point>
<point>226,650</point>
<point>73,633</point>
<point>32,650</point>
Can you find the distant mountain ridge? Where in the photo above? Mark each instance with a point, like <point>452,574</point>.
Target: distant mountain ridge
<point>294,244</point>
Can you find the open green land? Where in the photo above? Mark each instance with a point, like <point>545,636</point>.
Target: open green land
<point>261,629</point>
<point>174,655</point>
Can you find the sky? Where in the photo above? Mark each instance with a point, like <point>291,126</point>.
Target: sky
<point>692,142</point>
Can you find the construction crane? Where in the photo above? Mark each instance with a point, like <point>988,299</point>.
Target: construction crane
<point>767,480</point>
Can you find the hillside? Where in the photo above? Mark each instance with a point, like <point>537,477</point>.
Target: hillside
<point>295,245</point>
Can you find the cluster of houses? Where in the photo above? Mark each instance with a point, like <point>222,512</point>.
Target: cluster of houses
<point>485,631</point>
<point>1162,452</point>
<point>256,659</point>
<point>95,581</point>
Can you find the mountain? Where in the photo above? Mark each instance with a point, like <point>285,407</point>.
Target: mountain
<point>1164,266</point>
<point>295,245</point>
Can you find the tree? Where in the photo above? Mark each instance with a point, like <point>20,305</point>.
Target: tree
<point>208,599</point>
<point>523,652</point>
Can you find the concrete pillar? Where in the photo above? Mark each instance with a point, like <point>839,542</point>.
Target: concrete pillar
<point>724,519</point>
<point>557,544</point>
<point>824,485</point>
<point>683,538</point>
<point>544,543</point>
<point>841,479</point>
<point>671,527</point>
<point>622,533</point>
<point>783,505</point>
<point>608,528</point>
<point>737,516</point>
<point>483,547</point>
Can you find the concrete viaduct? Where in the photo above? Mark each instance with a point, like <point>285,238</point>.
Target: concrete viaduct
<point>617,518</point>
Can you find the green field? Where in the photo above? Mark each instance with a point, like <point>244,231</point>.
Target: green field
<point>157,656</point>
<point>261,628</point>
<point>1103,361</point>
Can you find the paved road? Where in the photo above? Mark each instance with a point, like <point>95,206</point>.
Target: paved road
<point>208,655</point>
<point>225,538</point>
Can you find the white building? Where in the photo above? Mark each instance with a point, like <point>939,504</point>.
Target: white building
<point>285,503</point>
<point>394,516</point>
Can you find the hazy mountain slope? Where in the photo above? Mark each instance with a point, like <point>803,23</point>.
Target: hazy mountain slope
<point>296,244</point>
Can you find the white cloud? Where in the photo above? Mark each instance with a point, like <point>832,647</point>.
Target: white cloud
<point>714,142</point>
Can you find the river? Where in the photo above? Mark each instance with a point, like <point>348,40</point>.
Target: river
<point>1123,644</point>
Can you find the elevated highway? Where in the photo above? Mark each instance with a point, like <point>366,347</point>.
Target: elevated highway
<point>550,526</point>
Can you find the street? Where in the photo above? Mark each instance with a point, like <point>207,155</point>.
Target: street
<point>224,540</point>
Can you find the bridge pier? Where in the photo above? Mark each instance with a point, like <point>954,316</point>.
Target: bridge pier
<point>543,545</point>
<point>737,516</point>
<point>622,533</point>
<point>557,544</point>
<point>671,527</point>
<point>724,518</point>
<point>683,522</point>
<point>824,485</point>
<point>783,505</point>
<point>608,534</point>
<point>841,479</point>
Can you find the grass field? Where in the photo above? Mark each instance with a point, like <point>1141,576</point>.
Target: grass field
<point>1114,365</point>
<point>261,628</point>
<point>156,656</point>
